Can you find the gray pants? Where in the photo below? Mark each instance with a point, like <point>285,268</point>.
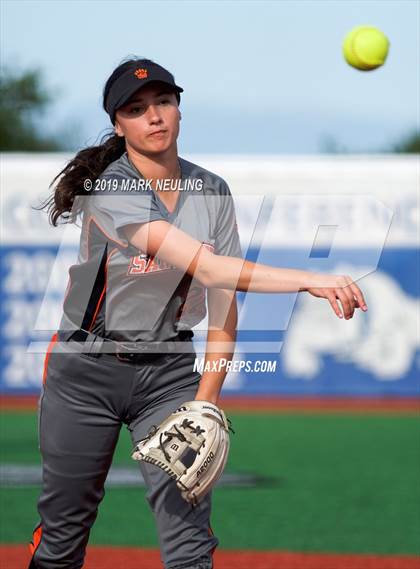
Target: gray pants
<point>85,401</point>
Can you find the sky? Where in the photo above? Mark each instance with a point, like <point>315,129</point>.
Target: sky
<point>259,77</point>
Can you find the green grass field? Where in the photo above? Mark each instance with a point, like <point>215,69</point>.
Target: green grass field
<point>337,483</point>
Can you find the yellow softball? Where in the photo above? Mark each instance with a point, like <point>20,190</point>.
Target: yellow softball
<point>365,48</point>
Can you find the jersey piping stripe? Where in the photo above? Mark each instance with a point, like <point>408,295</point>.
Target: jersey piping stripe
<point>47,356</point>
<point>108,238</point>
<point>98,306</point>
<point>91,220</point>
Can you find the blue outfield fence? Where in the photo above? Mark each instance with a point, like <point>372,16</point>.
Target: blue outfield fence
<point>305,348</point>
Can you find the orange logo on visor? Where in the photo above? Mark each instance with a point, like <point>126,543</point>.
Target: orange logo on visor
<point>141,73</point>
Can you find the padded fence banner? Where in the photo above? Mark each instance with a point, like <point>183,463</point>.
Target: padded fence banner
<point>349,215</point>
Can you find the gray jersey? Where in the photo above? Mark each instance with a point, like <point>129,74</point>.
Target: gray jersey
<point>118,291</point>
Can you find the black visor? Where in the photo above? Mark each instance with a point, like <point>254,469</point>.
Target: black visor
<point>139,74</point>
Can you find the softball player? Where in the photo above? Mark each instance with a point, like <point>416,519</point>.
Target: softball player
<point>123,353</point>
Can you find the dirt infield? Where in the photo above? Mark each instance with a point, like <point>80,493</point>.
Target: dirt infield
<point>250,404</point>
<point>17,557</point>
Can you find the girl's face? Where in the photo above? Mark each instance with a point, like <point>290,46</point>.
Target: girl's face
<point>150,120</point>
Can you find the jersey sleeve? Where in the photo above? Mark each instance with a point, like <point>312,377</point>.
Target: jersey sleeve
<point>226,233</point>
<point>126,208</point>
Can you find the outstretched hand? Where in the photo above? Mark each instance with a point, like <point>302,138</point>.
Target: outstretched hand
<point>337,287</point>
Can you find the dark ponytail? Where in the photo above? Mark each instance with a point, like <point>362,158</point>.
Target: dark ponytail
<point>88,163</point>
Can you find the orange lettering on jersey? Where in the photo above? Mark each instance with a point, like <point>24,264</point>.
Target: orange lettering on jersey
<point>137,265</point>
<point>144,264</point>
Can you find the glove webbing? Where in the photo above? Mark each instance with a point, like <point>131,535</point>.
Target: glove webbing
<point>186,424</point>
<point>196,441</point>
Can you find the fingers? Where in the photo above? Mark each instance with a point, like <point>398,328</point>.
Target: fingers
<point>359,296</point>
<point>350,294</point>
<point>346,291</point>
<point>347,301</point>
<point>330,296</point>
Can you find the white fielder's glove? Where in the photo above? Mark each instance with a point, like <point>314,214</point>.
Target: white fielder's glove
<point>197,425</point>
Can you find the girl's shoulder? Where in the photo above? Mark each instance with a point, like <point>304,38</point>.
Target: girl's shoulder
<point>213,183</point>
<point>119,169</point>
